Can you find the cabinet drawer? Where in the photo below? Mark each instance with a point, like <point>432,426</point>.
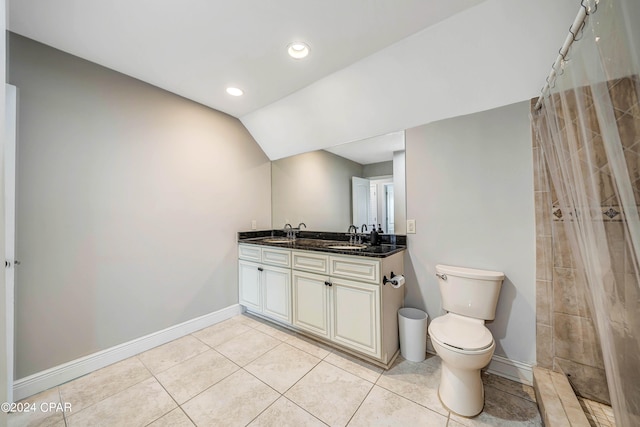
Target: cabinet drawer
<point>355,268</point>
<point>249,252</point>
<point>308,261</point>
<point>278,257</point>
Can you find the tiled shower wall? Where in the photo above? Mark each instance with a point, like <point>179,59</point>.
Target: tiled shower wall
<point>566,337</point>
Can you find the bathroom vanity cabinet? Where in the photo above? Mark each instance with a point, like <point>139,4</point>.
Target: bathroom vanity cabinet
<point>326,304</point>
<point>339,299</point>
<point>264,277</point>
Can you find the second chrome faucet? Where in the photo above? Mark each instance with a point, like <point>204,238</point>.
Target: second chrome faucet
<point>292,232</point>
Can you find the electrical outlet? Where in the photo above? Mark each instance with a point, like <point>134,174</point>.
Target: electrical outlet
<point>411,226</point>
<point>254,224</point>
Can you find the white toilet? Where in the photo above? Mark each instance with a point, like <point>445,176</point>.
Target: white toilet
<point>460,338</point>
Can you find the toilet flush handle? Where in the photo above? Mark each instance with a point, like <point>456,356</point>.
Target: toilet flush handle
<point>441,276</point>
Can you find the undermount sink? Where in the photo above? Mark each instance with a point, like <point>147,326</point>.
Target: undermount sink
<point>347,247</point>
<point>277,240</point>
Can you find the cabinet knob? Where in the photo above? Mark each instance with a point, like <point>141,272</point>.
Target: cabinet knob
<point>260,269</point>
<point>328,283</point>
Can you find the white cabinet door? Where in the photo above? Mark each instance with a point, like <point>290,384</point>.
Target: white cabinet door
<point>276,292</point>
<point>356,316</point>
<point>249,285</point>
<point>310,303</point>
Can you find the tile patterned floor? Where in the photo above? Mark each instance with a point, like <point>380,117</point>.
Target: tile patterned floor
<point>598,414</point>
<point>244,371</point>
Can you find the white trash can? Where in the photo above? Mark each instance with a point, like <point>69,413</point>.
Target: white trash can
<point>413,334</point>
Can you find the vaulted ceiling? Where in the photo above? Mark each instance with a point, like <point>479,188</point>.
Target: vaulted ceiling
<point>374,67</point>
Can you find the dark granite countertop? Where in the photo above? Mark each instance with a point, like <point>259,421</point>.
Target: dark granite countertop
<point>323,242</point>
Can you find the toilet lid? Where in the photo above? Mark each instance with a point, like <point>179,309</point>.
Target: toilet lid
<point>460,333</point>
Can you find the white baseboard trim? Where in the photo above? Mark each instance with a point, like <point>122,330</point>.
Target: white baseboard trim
<point>511,369</point>
<point>60,374</point>
<point>503,367</point>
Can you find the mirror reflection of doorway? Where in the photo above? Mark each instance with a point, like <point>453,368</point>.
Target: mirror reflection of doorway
<point>373,203</point>
<point>360,198</point>
<point>388,189</point>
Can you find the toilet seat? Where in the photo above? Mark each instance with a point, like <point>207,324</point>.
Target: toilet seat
<point>460,332</point>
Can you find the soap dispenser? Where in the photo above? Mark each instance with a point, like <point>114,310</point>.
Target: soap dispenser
<point>375,237</point>
<point>380,229</point>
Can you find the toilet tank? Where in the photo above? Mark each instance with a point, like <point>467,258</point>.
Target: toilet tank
<point>468,291</point>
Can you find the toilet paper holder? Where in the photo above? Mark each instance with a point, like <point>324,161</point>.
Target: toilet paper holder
<point>393,282</point>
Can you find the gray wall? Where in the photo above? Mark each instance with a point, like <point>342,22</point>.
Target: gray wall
<point>375,170</point>
<point>129,200</point>
<point>470,190</point>
<point>314,188</point>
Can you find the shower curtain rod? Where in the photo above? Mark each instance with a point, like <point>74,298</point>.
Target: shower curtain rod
<point>574,29</point>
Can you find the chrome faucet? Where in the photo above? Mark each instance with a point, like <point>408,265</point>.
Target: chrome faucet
<point>353,231</point>
<point>361,235</point>
<point>289,231</point>
<point>294,231</point>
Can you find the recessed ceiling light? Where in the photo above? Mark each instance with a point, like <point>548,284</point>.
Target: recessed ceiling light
<point>234,91</point>
<point>298,50</point>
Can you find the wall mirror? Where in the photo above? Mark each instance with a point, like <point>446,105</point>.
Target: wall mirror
<point>361,182</point>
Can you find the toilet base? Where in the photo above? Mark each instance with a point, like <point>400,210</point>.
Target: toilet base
<point>461,390</point>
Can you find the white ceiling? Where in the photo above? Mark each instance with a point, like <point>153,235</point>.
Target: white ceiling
<point>374,68</point>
